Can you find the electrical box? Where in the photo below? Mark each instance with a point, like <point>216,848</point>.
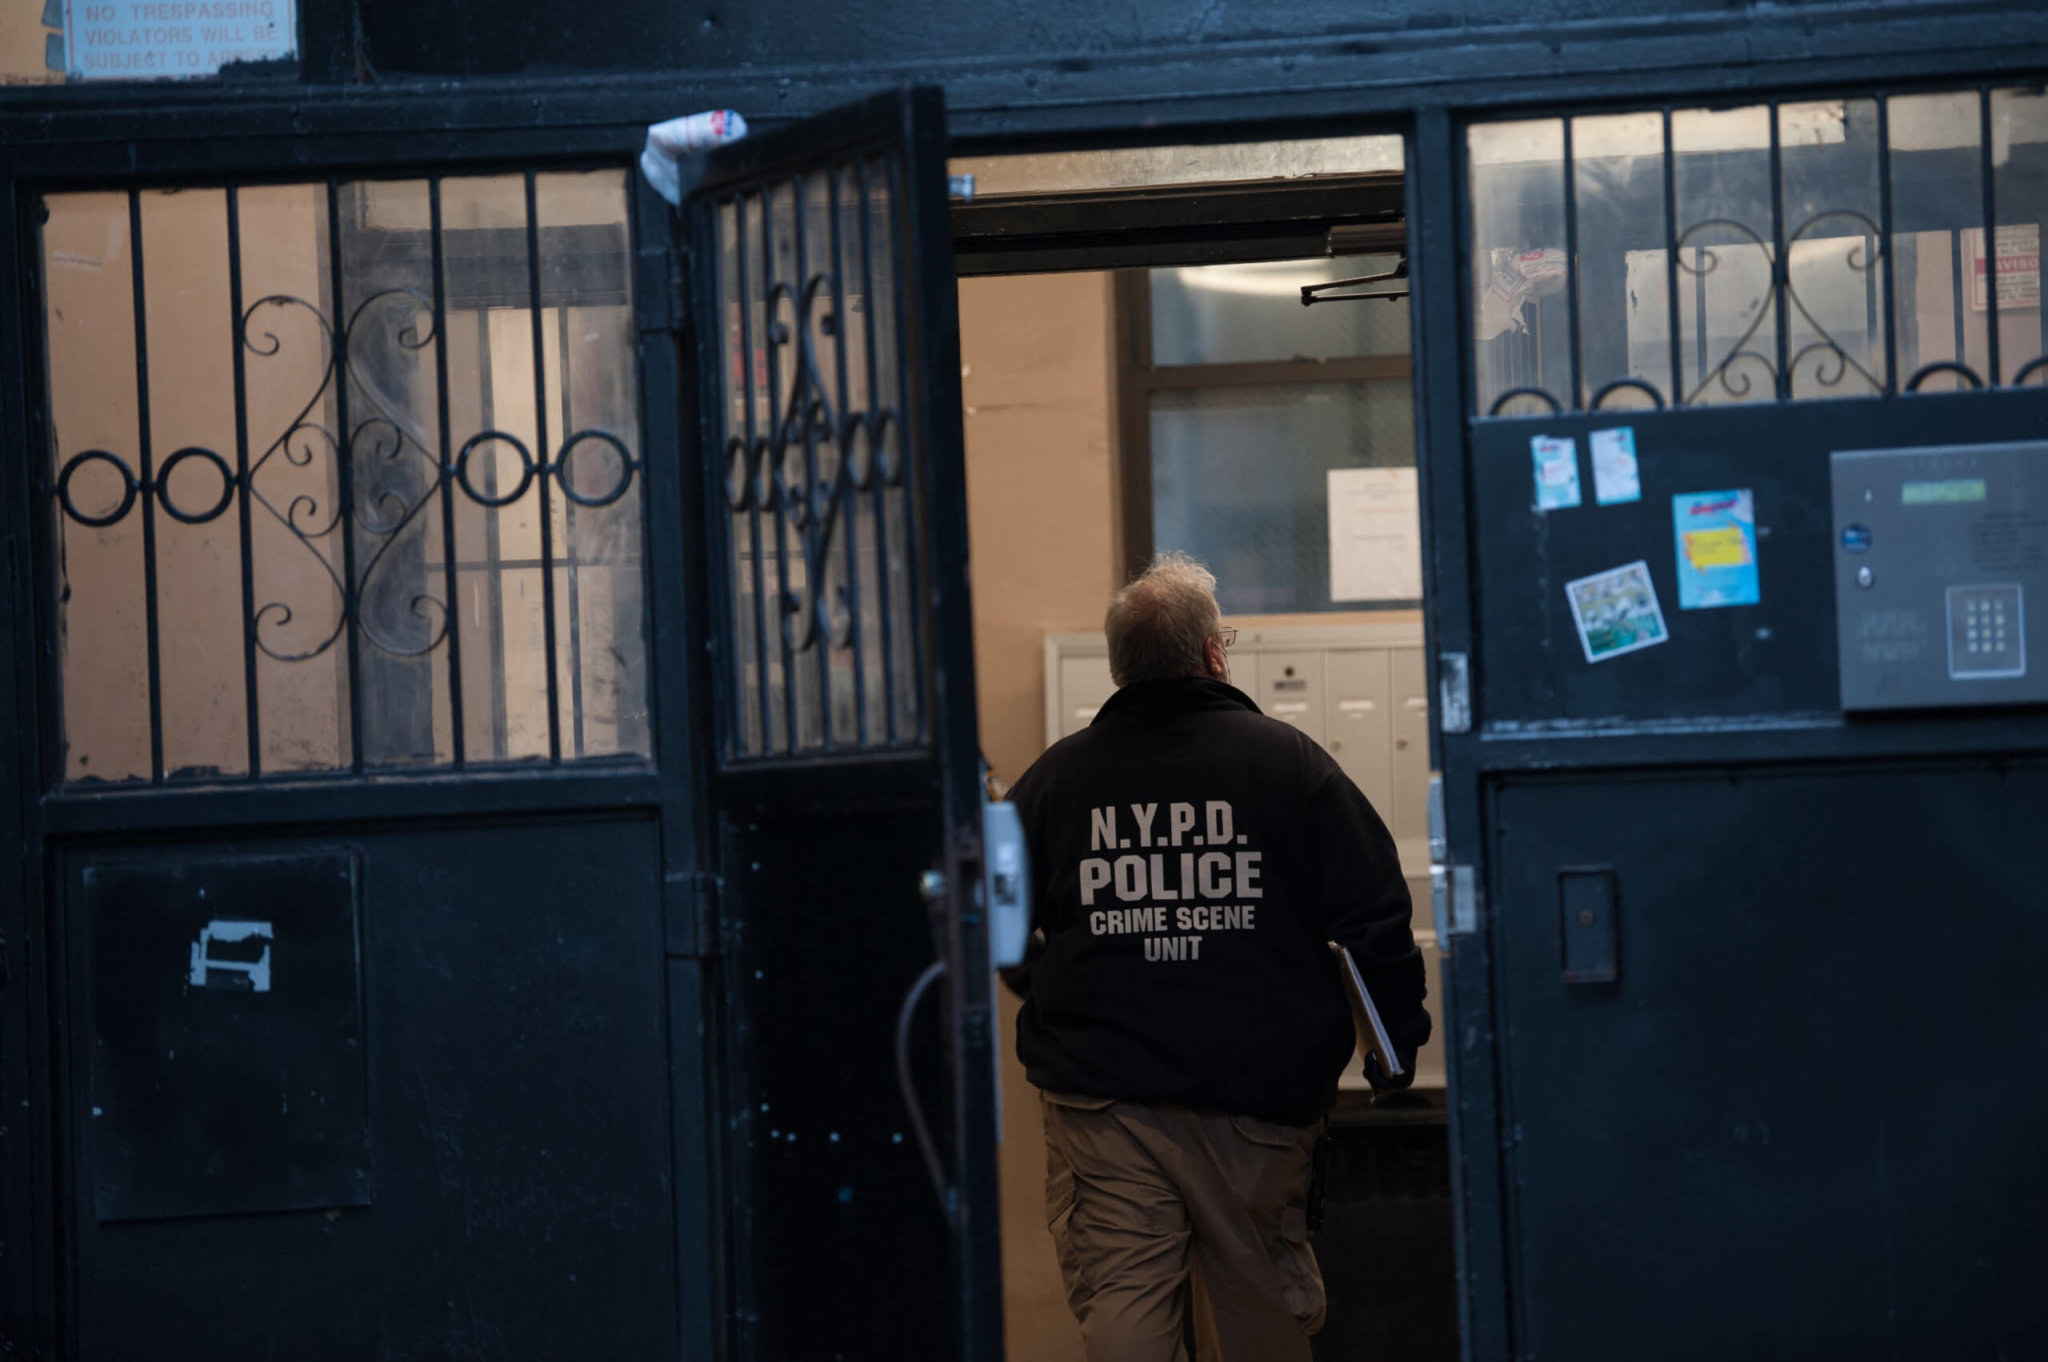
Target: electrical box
<point>1940,553</point>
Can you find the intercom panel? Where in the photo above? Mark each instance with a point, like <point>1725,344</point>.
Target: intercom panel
<point>1941,568</point>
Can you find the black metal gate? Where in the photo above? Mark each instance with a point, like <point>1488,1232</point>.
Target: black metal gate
<point>847,784</point>
<point>357,1005</point>
<point>1737,1064</point>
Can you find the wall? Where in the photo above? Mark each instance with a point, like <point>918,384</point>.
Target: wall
<point>1039,391</point>
<point>24,44</point>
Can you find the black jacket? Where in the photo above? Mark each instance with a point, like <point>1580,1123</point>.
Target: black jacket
<point>1192,859</point>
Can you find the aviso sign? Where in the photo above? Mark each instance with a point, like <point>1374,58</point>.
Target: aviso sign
<point>167,39</point>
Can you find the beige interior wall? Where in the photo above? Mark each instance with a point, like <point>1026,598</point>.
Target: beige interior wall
<point>1039,389</point>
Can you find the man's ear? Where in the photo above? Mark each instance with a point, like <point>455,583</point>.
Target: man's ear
<point>1214,661</point>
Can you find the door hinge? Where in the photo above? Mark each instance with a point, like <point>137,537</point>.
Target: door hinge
<point>678,285</point>
<point>1453,903</point>
<point>1454,692</point>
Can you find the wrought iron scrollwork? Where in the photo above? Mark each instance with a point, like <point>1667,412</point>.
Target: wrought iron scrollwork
<point>1970,377</point>
<point>1516,394</point>
<point>1648,389</point>
<point>372,502</point>
<point>811,462</point>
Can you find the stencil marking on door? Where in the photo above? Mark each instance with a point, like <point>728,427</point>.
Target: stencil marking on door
<point>242,965</point>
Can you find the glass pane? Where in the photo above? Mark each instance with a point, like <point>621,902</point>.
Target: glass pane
<point>1140,167</point>
<point>2019,156</point>
<point>822,591</point>
<point>1937,225</point>
<point>192,408</point>
<point>1521,319</point>
<point>1240,479</point>
<point>366,595</point>
<point>89,321</point>
<point>1834,287</point>
<point>1622,267</point>
<point>1728,338</point>
<point>589,341</point>
<point>297,623</point>
<point>1234,314</point>
<point>392,392</point>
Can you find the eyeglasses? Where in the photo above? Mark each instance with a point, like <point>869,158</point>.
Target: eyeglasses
<point>1227,635</point>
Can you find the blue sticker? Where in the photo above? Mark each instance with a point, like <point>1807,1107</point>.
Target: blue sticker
<point>1557,472</point>
<point>1856,539</point>
<point>1715,534</point>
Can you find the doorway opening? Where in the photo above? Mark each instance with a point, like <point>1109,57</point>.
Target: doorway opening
<point>1206,349</point>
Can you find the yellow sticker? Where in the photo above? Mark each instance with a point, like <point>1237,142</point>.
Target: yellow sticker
<point>1724,547</point>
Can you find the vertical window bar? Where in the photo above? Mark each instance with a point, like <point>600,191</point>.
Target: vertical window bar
<point>1571,265</point>
<point>1781,268</point>
<point>445,474</point>
<point>1960,305</point>
<point>1989,255</point>
<point>1887,245</point>
<point>751,488</point>
<point>816,528</point>
<point>843,437</point>
<point>236,342</point>
<point>1699,321</point>
<point>345,474</point>
<point>1671,263</point>
<point>545,459</point>
<point>487,398</point>
<point>147,485</point>
<point>878,491</point>
<point>569,535</point>
<point>912,432</point>
<point>777,433</point>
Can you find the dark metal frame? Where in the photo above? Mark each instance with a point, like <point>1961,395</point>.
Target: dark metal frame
<point>65,137</point>
<point>939,769</point>
<point>1174,225</point>
<point>1477,764</point>
<point>33,1167</point>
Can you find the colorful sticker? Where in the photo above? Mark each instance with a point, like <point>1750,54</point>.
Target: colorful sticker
<point>1616,611</point>
<point>1557,472</point>
<point>1615,478</point>
<point>1715,533</point>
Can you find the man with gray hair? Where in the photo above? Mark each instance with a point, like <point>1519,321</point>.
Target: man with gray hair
<point>1183,1015</point>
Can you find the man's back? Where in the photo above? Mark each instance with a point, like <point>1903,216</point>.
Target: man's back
<point>1193,859</point>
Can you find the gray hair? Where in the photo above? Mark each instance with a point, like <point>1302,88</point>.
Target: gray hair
<point>1157,625</point>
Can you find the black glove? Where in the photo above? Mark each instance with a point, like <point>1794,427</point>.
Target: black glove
<point>1381,1082</point>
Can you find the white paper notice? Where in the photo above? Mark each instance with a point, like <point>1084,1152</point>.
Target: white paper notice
<point>1615,476</point>
<point>166,39</point>
<point>1375,535</point>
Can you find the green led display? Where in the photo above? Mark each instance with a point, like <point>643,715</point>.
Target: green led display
<point>1945,492</point>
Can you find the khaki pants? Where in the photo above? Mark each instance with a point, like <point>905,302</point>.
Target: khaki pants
<point>1154,1208</point>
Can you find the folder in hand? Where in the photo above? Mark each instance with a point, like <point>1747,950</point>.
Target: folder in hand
<point>1365,1018</point>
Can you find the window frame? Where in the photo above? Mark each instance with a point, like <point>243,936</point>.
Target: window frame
<point>1138,378</point>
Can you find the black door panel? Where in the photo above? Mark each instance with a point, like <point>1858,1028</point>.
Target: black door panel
<point>1786,1128</point>
<point>517,1082</point>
